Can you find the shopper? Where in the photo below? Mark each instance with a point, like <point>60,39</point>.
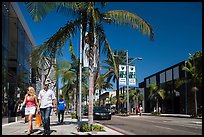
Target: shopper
<point>61,105</point>
<point>31,105</point>
<point>141,109</point>
<point>21,111</point>
<point>137,110</point>
<point>47,101</point>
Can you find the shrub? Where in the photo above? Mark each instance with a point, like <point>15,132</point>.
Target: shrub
<point>73,115</point>
<point>195,116</point>
<point>87,128</point>
<point>155,113</point>
<point>97,128</point>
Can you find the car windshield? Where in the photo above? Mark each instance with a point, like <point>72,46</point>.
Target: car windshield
<point>100,109</point>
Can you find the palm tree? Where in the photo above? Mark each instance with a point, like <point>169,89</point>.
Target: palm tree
<point>193,67</point>
<point>122,100</point>
<point>70,77</point>
<point>155,93</point>
<point>102,84</point>
<point>112,100</point>
<point>136,97</point>
<point>112,67</point>
<point>87,14</point>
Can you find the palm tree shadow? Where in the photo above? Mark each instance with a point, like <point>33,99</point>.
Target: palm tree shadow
<point>52,131</point>
<point>42,131</point>
<point>58,124</point>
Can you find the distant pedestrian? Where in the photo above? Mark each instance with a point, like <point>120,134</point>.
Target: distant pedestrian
<point>141,109</point>
<point>137,109</point>
<point>155,109</point>
<point>31,105</point>
<point>159,109</point>
<point>61,105</point>
<point>47,101</point>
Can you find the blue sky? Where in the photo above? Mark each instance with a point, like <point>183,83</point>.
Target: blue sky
<point>177,27</point>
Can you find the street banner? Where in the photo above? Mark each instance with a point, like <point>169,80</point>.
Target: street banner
<point>122,75</point>
<point>132,76</point>
<point>86,52</point>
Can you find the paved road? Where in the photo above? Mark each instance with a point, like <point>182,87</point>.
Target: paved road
<point>154,125</point>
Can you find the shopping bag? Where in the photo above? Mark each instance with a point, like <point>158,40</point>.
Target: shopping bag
<point>38,120</point>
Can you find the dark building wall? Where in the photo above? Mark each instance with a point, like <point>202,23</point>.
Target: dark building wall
<point>5,40</point>
<point>179,100</point>
<point>16,48</point>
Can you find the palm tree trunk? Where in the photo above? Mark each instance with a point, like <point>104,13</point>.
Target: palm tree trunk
<point>91,87</point>
<point>195,96</point>
<point>86,99</point>
<point>135,105</point>
<point>91,68</point>
<point>74,100</point>
<point>157,108</point>
<point>99,97</point>
<point>117,96</point>
<point>77,95</point>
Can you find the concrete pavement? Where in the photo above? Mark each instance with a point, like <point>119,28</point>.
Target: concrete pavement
<point>68,128</point>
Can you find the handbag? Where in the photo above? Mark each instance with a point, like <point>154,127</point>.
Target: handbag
<point>22,110</point>
<point>38,120</point>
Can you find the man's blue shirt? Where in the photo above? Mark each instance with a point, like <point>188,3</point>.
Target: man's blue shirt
<point>61,104</point>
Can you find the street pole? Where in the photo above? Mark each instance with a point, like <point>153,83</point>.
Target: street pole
<point>127,82</point>
<point>80,73</point>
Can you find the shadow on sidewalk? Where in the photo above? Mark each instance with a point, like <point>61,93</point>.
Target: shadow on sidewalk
<point>41,131</point>
<point>55,123</point>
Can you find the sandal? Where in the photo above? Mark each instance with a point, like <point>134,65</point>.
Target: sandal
<point>30,132</point>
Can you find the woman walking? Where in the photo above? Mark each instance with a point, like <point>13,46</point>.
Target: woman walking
<point>31,104</point>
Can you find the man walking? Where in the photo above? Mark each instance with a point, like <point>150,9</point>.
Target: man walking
<point>47,101</point>
<point>61,104</point>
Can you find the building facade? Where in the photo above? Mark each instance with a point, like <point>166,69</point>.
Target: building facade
<point>177,100</point>
<point>17,42</point>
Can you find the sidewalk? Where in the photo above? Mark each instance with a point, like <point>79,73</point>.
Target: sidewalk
<point>173,115</point>
<point>68,128</point>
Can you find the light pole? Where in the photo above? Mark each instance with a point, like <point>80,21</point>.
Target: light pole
<point>127,82</point>
<point>127,78</point>
<point>80,75</point>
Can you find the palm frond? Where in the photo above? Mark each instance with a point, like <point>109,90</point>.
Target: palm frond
<point>124,17</point>
<point>39,10</point>
<point>161,93</point>
<point>71,8</point>
<point>57,41</point>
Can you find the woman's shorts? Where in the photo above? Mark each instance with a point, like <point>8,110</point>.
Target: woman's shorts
<point>30,110</point>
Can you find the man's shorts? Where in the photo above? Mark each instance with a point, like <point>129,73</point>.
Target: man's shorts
<point>30,110</point>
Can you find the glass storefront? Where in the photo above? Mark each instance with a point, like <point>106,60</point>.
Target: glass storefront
<point>5,41</point>
<point>16,49</point>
